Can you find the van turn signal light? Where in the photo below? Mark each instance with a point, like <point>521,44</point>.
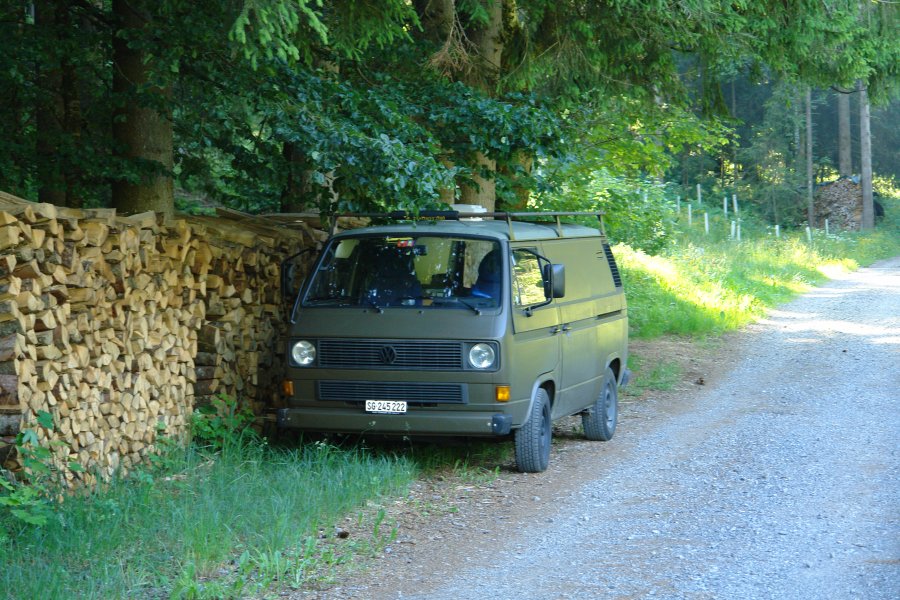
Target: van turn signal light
<point>287,387</point>
<point>502,392</point>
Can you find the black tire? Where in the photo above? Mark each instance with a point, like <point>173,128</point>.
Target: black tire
<point>599,420</point>
<point>533,438</point>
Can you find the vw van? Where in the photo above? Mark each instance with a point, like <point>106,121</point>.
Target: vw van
<point>447,326</point>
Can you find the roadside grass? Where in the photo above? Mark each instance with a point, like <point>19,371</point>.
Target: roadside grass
<point>234,523</point>
<point>209,525</point>
<point>703,285</point>
<point>697,289</point>
<point>661,376</point>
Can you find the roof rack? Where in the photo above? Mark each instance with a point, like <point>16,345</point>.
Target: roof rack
<point>509,217</point>
<point>452,215</point>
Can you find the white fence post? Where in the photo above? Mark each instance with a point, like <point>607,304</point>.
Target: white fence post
<point>699,195</point>
<point>706,222</point>
<point>733,229</point>
<point>778,231</point>
<point>808,234</point>
<point>734,202</point>
<point>690,214</point>
<point>725,205</point>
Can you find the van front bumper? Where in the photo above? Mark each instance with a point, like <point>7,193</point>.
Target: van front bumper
<point>427,423</point>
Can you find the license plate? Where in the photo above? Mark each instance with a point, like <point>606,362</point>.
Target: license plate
<point>393,407</point>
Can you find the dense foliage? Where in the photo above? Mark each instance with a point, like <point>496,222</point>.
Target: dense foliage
<point>268,105</point>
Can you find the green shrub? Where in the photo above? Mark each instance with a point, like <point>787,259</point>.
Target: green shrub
<point>31,501</point>
<point>222,424</point>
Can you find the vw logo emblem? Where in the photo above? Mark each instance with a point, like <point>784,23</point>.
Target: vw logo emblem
<point>388,355</point>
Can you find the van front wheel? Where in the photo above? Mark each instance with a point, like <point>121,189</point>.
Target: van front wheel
<point>533,438</point>
<point>599,421</point>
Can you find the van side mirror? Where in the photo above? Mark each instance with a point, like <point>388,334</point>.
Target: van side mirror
<point>287,278</point>
<point>554,280</point>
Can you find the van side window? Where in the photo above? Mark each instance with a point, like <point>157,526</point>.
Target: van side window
<point>528,285</point>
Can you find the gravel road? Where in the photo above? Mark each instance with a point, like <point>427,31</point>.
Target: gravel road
<point>780,478</point>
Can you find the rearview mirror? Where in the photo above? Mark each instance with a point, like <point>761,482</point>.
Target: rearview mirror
<point>554,280</point>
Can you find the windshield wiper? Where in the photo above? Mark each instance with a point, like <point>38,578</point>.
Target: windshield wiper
<point>473,307</point>
<point>326,300</point>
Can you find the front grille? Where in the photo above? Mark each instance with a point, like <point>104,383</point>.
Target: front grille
<point>412,392</point>
<point>390,354</point>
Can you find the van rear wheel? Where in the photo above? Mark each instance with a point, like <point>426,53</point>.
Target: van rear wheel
<point>533,438</point>
<point>599,421</point>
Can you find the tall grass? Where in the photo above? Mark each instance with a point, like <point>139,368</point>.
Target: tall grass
<point>706,284</point>
<point>212,526</point>
<point>243,521</point>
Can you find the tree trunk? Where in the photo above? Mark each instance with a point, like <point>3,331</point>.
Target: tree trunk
<point>733,100</point>
<point>481,190</point>
<point>300,191</point>
<point>437,18</point>
<point>810,206</point>
<point>776,219</point>
<point>58,112</point>
<point>71,101</point>
<point>845,145</point>
<point>142,132</point>
<point>523,163</point>
<point>865,152</point>
<point>487,38</point>
<point>49,107</point>
<point>484,73</point>
<point>292,197</point>
<point>471,53</point>
<point>447,195</point>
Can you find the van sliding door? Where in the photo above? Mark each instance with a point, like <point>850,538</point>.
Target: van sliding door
<point>583,355</point>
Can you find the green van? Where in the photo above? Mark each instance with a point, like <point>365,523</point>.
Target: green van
<point>450,326</point>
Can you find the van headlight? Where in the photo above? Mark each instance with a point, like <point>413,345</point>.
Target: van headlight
<point>303,353</point>
<point>482,356</point>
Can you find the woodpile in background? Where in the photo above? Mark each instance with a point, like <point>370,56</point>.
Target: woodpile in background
<point>841,203</point>
<point>119,326</point>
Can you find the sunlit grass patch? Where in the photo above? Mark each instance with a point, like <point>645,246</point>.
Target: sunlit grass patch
<point>679,295</point>
<point>835,269</point>
<point>697,287</point>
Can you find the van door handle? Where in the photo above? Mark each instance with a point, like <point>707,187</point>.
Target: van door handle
<point>566,327</point>
<point>556,329</point>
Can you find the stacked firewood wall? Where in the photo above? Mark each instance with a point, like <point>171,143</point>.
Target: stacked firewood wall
<point>120,326</point>
<point>240,344</point>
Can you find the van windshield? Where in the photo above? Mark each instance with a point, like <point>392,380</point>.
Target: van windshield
<point>404,271</point>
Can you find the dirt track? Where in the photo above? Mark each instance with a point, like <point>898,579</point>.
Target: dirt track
<point>778,477</point>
